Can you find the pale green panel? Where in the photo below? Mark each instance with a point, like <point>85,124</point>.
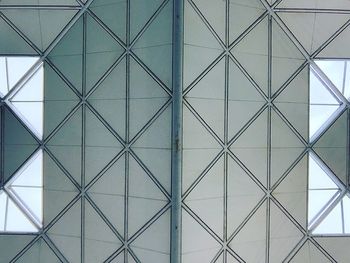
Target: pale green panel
<point>284,235</point>
<point>18,144</point>
<point>286,58</point>
<point>291,193</point>
<point>65,145</point>
<point>141,12</point>
<point>101,52</point>
<point>207,198</point>
<point>243,194</point>
<point>110,98</point>
<point>154,148</point>
<point>293,102</point>
<point>58,189</point>
<point>251,147</point>
<point>215,13</point>
<point>200,148</point>
<point>101,146</point>
<point>39,252</point>
<point>14,44</point>
<point>309,253</point>
<point>204,94</point>
<point>67,56</point>
<point>155,45</point>
<point>44,26</point>
<point>66,233</point>
<point>243,97</point>
<point>252,53</point>
<point>250,242</point>
<point>321,26</point>
<point>145,199</point>
<point>153,245</point>
<point>39,2</point>
<point>59,99</point>
<point>146,98</point>
<point>242,14</point>
<point>336,49</point>
<point>113,14</point>
<point>108,193</point>
<point>317,4</point>
<point>285,147</point>
<point>99,240</point>
<point>200,46</point>
<point>337,247</point>
<point>13,244</point>
<point>197,244</point>
<point>332,147</point>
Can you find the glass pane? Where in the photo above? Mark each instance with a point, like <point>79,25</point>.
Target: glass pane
<point>3,76</point>
<point>318,179</point>
<point>334,71</point>
<point>17,67</point>
<point>317,200</point>
<point>17,221</point>
<point>332,224</point>
<point>319,114</point>
<point>319,94</point>
<point>32,174</point>
<point>3,198</point>
<point>32,197</point>
<point>346,207</point>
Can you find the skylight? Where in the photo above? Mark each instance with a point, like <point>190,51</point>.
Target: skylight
<point>21,195</point>
<point>329,203</point>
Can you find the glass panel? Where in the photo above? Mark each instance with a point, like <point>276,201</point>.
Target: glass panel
<point>319,94</point>
<point>17,221</point>
<point>334,71</point>
<point>346,208</point>
<point>318,179</point>
<point>32,197</point>
<point>319,114</point>
<point>3,198</point>
<point>32,174</point>
<point>332,224</point>
<point>3,76</point>
<point>317,200</point>
<point>17,68</point>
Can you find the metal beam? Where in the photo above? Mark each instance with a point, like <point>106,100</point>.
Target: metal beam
<point>177,129</point>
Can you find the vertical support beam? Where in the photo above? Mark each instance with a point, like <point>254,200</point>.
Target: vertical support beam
<point>177,127</point>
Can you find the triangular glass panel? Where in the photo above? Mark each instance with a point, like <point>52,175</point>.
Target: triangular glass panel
<point>334,70</point>
<point>29,101</point>
<point>27,186</point>
<point>13,69</point>
<point>15,219</point>
<point>333,223</point>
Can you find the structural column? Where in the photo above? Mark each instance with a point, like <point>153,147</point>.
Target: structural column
<point>177,129</point>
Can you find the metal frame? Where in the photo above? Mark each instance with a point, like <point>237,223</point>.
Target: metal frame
<point>177,100</point>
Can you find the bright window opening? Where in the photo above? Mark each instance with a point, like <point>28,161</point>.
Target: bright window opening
<point>21,197</point>
<point>328,193</point>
